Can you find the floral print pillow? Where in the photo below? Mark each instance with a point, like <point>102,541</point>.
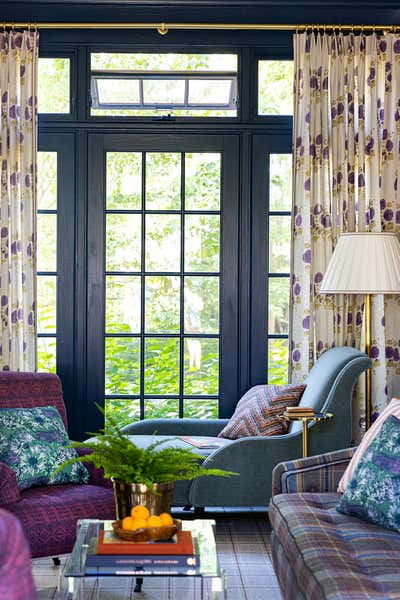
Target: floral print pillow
<point>33,443</point>
<point>373,493</point>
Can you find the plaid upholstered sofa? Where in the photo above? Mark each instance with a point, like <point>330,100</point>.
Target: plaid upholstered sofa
<point>319,553</point>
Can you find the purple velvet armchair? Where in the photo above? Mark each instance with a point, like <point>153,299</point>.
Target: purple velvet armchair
<point>16,581</point>
<point>48,514</point>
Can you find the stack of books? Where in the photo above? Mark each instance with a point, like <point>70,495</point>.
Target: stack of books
<point>109,555</point>
<point>298,411</point>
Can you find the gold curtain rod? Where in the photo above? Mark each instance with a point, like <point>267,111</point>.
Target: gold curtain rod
<point>163,28</point>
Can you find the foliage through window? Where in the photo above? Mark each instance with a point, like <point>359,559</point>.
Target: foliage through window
<point>54,85</point>
<point>275,87</point>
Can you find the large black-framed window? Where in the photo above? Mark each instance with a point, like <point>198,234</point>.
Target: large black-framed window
<point>244,142</point>
<point>184,266</point>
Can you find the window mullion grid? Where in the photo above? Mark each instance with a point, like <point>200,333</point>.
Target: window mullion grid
<point>143,287</point>
<point>182,291</point>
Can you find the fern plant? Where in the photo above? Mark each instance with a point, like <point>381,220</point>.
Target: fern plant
<point>123,460</point>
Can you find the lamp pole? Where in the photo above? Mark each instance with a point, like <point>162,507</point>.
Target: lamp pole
<point>368,407</point>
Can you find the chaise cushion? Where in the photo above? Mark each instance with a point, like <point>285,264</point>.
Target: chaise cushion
<point>49,514</point>
<point>257,412</point>
<point>334,556</point>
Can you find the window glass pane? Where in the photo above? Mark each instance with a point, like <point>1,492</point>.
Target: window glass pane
<point>279,244</point>
<point>122,304</point>
<point>123,242</point>
<point>163,181</point>
<point>163,62</point>
<point>278,361</point>
<point>121,410</point>
<point>124,180</point>
<point>280,182</point>
<point>201,304</point>
<point>122,365</point>
<point>54,85</point>
<point>118,91</point>
<point>162,307</point>
<point>209,91</point>
<point>163,242</point>
<point>278,305</point>
<point>201,366</point>
<point>161,366</point>
<point>46,304</point>
<point>46,242</point>
<point>202,181</point>
<point>161,408</point>
<point>202,243</point>
<point>47,180</point>
<point>46,354</point>
<point>163,91</point>
<point>206,408</point>
<point>275,87</point>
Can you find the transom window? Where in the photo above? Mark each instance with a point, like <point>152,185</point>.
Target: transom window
<point>202,85</point>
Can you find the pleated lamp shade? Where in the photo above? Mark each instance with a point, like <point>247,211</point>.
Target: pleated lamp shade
<point>364,263</point>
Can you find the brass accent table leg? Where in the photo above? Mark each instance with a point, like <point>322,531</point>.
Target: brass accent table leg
<point>368,395</point>
<point>305,438</point>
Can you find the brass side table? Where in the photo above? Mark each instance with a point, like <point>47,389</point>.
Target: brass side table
<point>306,420</point>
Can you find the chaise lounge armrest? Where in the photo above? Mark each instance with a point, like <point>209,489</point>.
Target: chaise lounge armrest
<point>206,427</point>
<point>96,474</point>
<point>319,473</point>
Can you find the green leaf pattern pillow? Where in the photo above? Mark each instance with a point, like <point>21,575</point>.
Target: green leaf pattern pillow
<point>33,443</point>
<point>373,493</point>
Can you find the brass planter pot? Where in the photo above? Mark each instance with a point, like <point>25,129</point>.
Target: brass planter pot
<point>128,495</point>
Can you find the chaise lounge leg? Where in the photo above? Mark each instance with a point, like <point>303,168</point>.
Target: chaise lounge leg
<point>199,511</point>
<point>139,583</point>
<point>56,561</point>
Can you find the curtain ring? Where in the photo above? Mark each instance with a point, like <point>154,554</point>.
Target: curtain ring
<point>4,27</point>
<point>36,27</point>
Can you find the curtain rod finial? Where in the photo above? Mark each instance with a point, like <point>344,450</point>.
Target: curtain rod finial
<point>162,29</point>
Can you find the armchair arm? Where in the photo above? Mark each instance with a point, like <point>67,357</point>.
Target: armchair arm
<point>96,475</point>
<point>314,474</point>
<point>210,427</point>
<point>9,491</point>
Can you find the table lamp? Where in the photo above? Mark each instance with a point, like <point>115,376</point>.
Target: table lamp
<point>364,263</point>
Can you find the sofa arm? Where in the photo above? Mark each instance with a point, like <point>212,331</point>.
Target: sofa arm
<point>319,473</point>
<point>96,474</point>
<point>210,427</point>
<point>9,491</point>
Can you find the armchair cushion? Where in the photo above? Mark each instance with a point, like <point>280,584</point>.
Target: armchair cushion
<point>258,410</point>
<point>33,443</point>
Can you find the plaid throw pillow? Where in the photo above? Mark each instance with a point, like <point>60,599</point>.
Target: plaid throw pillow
<point>258,410</point>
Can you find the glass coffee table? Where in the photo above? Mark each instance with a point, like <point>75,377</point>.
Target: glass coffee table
<point>208,579</point>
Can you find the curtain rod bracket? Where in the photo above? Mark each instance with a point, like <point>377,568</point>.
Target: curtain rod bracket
<point>162,29</point>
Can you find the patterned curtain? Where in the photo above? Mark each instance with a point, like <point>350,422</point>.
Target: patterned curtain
<point>18,148</point>
<point>346,162</point>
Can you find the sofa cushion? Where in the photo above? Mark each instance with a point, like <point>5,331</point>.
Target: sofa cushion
<point>257,412</point>
<point>393,408</point>
<point>335,556</point>
<point>374,490</point>
<point>49,514</point>
<point>33,443</point>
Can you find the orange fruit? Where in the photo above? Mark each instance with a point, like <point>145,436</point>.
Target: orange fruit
<point>127,523</point>
<point>139,523</point>
<point>154,522</point>
<point>166,519</point>
<point>140,512</point>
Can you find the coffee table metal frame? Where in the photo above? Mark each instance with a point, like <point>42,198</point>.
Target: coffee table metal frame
<point>74,583</point>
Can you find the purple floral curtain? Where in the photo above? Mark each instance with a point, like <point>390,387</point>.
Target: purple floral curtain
<point>346,159</point>
<point>18,148</point>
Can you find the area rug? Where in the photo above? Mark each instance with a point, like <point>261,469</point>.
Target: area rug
<point>243,541</point>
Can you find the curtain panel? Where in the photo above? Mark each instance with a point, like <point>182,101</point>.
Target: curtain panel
<point>18,149</point>
<point>345,162</point>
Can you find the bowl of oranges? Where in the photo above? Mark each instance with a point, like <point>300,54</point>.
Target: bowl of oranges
<point>140,526</point>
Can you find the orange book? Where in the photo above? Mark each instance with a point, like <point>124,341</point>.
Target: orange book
<point>109,543</point>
